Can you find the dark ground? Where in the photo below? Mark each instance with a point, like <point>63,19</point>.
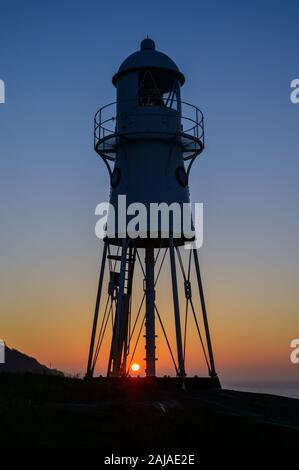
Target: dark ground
<point>56,412</point>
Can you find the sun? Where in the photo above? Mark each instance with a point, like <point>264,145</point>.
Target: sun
<point>135,367</point>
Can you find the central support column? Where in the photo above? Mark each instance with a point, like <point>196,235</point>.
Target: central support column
<point>150,312</point>
<point>117,340</point>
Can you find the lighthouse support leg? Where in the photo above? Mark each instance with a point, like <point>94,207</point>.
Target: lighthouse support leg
<point>176,309</point>
<point>150,312</point>
<point>117,340</point>
<point>204,314</point>
<point>89,372</point>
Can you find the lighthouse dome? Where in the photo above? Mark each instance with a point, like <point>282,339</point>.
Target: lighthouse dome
<point>148,58</point>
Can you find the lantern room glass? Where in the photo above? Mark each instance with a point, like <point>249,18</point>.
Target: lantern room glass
<point>158,88</point>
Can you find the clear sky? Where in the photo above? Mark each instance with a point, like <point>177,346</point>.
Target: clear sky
<point>57,59</point>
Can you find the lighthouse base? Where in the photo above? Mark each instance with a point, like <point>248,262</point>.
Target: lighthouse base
<point>140,384</point>
<point>123,320</point>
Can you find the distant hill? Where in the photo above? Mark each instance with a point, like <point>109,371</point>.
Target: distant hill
<point>17,362</point>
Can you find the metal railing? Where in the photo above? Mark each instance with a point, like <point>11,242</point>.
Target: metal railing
<point>189,118</point>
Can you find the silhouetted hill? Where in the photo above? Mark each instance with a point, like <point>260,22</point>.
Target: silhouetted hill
<point>17,362</point>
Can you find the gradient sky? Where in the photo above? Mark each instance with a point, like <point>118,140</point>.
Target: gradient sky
<point>57,59</point>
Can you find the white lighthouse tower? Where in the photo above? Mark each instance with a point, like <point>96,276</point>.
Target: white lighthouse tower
<point>148,139</point>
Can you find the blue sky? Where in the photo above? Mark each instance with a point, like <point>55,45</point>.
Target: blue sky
<point>57,59</point>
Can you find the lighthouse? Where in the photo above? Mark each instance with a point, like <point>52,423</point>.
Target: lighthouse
<point>148,139</point>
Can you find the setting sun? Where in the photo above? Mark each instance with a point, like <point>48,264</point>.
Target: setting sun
<point>135,367</point>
